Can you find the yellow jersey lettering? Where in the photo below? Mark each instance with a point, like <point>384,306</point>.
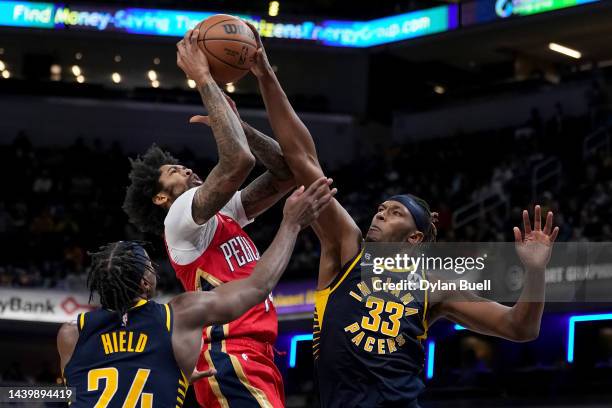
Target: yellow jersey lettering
<point>129,343</point>
<point>369,343</point>
<point>142,342</point>
<point>391,345</point>
<point>352,328</point>
<point>122,341</point>
<point>115,347</point>
<point>407,298</point>
<point>106,343</point>
<point>363,288</point>
<point>381,346</point>
<point>357,339</point>
<point>356,296</point>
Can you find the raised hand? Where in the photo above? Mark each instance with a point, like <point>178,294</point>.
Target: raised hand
<point>534,246</point>
<point>261,66</point>
<point>191,59</point>
<point>304,206</point>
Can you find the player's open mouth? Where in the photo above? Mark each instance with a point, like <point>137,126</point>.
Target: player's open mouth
<point>374,228</point>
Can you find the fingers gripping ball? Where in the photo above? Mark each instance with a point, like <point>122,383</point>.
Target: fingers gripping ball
<point>230,47</point>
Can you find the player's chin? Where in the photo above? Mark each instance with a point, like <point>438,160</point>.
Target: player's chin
<point>372,236</point>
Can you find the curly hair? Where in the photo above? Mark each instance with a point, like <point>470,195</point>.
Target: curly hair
<point>116,271</point>
<point>144,185</point>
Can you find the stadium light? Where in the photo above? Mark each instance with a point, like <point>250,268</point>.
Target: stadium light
<point>117,58</point>
<point>152,75</point>
<point>156,61</point>
<point>191,83</point>
<point>76,70</point>
<point>6,74</point>
<point>230,87</point>
<point>293,349</point>
<point>439,89</point>
<point>78,56</point>
<point>565,50</point>
<point>571,333</point>
<point>116,77</point>
<point>56,69</point>
<point>155,84</point>
<point>273,8</point>
<point>2,65</point>
<point>80,79</point>
<point>431,356</point>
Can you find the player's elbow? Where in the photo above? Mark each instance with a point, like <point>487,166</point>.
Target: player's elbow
<point>239,166</point>
<point>525,333</point>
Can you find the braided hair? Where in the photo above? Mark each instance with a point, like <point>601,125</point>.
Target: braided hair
<point>116,271</point>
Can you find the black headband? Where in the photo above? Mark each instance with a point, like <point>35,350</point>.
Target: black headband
<point>421,219</point>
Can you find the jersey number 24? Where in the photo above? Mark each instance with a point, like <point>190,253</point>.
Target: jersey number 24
<point>111,377</point>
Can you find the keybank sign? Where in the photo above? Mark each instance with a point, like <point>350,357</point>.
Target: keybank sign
<point>174,23</point>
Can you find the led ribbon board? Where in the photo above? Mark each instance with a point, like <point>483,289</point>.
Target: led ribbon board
<point>507,8</point>
<point>482,11</point>
<point>174,23</point>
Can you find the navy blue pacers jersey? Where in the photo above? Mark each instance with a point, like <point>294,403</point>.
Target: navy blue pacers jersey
<point>367,340</point>
<point>126,362</point>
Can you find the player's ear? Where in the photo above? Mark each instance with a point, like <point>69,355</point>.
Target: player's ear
<point>160,199</point>
<point>415,238</point>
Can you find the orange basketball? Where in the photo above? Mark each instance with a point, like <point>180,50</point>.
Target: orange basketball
<point>229,45</point>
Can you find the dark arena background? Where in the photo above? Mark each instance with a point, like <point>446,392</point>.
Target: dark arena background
<point>483,107</point>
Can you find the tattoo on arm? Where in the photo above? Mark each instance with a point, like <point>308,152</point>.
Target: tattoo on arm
<point>235,159</point>
<point>260,194</point>
<point>225,125</point>
<point>268,151</point>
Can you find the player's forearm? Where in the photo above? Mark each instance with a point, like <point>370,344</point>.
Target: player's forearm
<point>227,130</point>
<point>526,314</point>
<point>274,260</point>
<point>268,152</point>
<point>233,299</point>
<point>291,133</point>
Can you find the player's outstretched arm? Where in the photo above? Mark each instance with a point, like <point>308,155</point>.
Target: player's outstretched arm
<point>520,322</point>
<point>227,302</point>
<point>235,158</point>
<point>340,237</point>
<point>272,185</point>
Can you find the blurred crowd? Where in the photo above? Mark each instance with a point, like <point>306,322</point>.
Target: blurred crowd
<point>58,203</point>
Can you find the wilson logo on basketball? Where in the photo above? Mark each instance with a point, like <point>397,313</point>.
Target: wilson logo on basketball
<point>231,28</point>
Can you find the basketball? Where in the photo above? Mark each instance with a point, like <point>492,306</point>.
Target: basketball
<point>230,46</point>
